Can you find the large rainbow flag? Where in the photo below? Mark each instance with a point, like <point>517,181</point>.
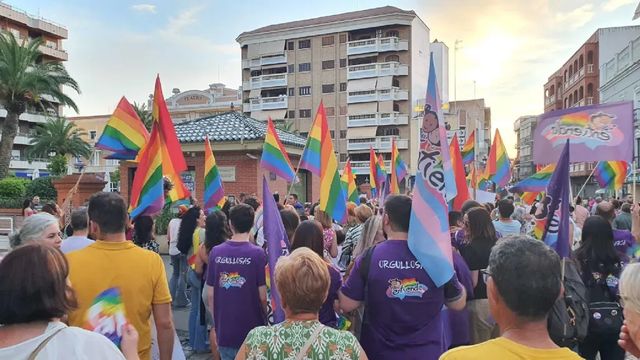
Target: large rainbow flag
<point>147,190</point>
<point>106,315</point>
<point>536,182</point>
<point>125,134</point>
<point>398,169</point>
<point>458,169</point>
<point>274,156</point>
<point>213,189</point>
<point>373,165</point>
<point>611,174</point>
<point>381,171</point>
<point>348,182</point>
<point>173,163</point>
<point>498,163</point>
<point>319,156</point>
<point>468,152</point>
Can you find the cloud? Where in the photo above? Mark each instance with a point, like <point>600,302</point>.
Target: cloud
<point>577,17</point>
<point>612,5</point>
<point>184,19</point>
<point>145,8</point>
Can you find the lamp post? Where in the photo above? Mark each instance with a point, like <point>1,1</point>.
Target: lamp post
<point>456,46</point>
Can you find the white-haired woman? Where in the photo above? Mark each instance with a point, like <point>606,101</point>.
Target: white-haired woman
<point>630,297</point>
<point>41,227</point>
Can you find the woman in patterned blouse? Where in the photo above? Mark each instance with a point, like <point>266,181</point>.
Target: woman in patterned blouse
<point>302,279</point>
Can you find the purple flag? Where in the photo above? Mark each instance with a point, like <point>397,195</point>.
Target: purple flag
<point>277,245</point>
<point>556,230</point>
<point>598,132</point>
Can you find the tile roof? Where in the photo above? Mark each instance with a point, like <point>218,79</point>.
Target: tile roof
<point>230,126</point>
<point>353,15</point>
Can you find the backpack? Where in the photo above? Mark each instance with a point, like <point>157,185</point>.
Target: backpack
<point>605,316</point>
<point>568,321</point>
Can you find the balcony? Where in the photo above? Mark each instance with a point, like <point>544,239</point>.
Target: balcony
<point>377,119</point>
<point>21,162</point>
<point>376,45</point>
<point>589,68</point>
<point>269,103</point>
<point>53,52</point>
<point>550,100</point>
<point>589,100</point>
<point>30,117</point>
<point>362,167</point>
<point>380,143</point>
<point>393,94</point>
<point>265,81</point>
<point>265,60</point>
<point>376,70</point>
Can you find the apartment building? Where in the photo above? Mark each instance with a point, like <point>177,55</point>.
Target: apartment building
<point>369,68</point>
<point>465,116</point>
<point>524,127</point>
<point>578,82</point>
<point>25,27</point>
<point>196,104</point>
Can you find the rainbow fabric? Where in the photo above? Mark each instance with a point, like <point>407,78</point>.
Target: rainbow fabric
<point>529,197</point>
<point>319,156</point>
<point>373,165</point>
<point>472,178</point>
<point>498,163</point>
<point>348,182</point>
<point>538,229</point>
<point>213,189</point>
<point>457,163</point>
<point>106,315</point>
<point>274,156</point>
<point>581,119</point>
<point>611,174</point>
<point>381,171</point>
<point>536,182</point>
<point>147,190</point>
<point>173,162</point>
<point>398,169</point>
<point>468,151</point>
<point>125,134</point>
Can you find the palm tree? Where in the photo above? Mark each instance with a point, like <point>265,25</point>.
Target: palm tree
<point>286,126</point>
<point>58,136</point>
<point>27,81</point>
<point>144,114</point>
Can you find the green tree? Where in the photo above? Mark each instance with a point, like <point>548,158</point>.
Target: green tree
<point>60,137</point>
<point>57,166</point>
<point>286,126</point>
<point>27,81</point>
<point>144,114</point>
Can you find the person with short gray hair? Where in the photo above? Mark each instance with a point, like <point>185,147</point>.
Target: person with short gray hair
<point>523,283</point>
<point>39,227</point>
<point>630,296</point>
<point>79,239</point>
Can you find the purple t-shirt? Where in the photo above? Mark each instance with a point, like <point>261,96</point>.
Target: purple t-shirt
<point>402,313</point>
<point>236,271</point>
<point>622,241</point>
<point>327,313</point>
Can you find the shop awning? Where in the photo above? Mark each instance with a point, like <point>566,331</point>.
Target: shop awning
<point>362,108</point>
<point>361,85</point>
<point>362,132</point>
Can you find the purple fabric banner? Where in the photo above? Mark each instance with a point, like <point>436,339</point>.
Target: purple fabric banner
<point>556,230</point>
<point>598,132</point>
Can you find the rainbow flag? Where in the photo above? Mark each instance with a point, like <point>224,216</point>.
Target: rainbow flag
<point>106,315</point>
<point>458,169</point>
<point>536,182</point>
<point>468,151</point>
<point>274,156</point>
<point>125,134</point>
<point>348,182</point>
<point>398,169</point>
<point>381,171</point>
<point>472,178</point>
<point>320,158</point>
<point>498,163</point>
<point>173,162</point>
<point>429,239</point>
<point>213,189</point>
<point>147,190</point>
<point>611,174</point>
<point>529,197</point>
<point>373,166</point>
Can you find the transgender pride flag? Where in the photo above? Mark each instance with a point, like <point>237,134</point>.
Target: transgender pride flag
<point>429,239</point>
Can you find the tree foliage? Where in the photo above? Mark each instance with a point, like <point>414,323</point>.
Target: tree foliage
<point>144,114</point>
<point>58,136</point>
<point>57,165</point>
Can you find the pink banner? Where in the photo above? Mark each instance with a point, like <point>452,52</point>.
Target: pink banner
<point>598,132</point>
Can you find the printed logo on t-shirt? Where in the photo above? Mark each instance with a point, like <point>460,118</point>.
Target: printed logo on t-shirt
<point>407,287</point>
<point>232,279</point>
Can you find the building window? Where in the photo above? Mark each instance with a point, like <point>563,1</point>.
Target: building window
<point>343,157</point>
<point>291,69</point>
<point>304,90</point>
<point>343,63</point>
<point>305,113</point>
<point>290,45</point>
<point>292,114</point>
<point>343,38</point>
<point>328,64</point>
<point>330,111</point>
<point>304,67</point>
<point>390,58</point>
<point>343,134</point>
<point>343,86</point>
<point>392,33</point>
<point>328,88</point>
<point>93,134</point>
<point>343,110</point>
<point>292,91</point>
<point>333,134</point>
<point>304,44</point>
<point>328,40</point>
<point>95,159</point>
<point>304,134</point>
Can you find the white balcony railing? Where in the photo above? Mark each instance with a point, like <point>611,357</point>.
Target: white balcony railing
<point>265,81</point>
<point>36,118</point>
<point>265,60</point>
<point>380,143</point>
<point>377,119</point>
<point>376,45</point>
<point>589,68</point>
<point>589,101</point>
<point>22,163</point>
<point>550,100</point>
<point>59,54</point>
<point>393,94</point>
<point>269,103</point>
<point>376,70</point>
<point>362,167</point>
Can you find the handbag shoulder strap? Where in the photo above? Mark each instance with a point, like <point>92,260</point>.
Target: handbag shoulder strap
<point>44,343</point>
<point>310,341</point>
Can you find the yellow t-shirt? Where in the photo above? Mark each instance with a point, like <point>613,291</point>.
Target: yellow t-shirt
<point>502,348</point>
<point>138,273</point>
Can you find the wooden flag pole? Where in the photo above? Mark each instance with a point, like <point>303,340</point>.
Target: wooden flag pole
<point>586,181</point>
<point>296,175</point>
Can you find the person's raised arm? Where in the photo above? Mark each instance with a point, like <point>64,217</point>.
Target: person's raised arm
<point>333,250</point>
<point>164,326</point>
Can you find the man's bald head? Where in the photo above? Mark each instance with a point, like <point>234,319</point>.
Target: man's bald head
<point>606,210</point>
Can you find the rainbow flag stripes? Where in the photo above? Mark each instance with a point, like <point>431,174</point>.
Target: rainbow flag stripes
<point>398,169</point>
<point>381,172</point>
<point>468,150</point>
<point>274,157</point>
<point>106,315</point>
<point>373,165</point>
<point>311,157</point>
<point>348,182</point>
<point>125,134</point>
<point>213,189</point>
<point>536,182</point>
<point>498,163</point>
<point>611,174</point>
<point>147,190</point>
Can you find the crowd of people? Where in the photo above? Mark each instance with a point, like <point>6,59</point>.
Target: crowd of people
<point>351,291</point>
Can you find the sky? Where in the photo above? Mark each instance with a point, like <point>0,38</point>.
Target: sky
<point>508,47</point>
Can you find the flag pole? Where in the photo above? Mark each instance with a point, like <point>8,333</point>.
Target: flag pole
<point>295,176</point>
<point>633,190</point>
<point>590,175</point>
